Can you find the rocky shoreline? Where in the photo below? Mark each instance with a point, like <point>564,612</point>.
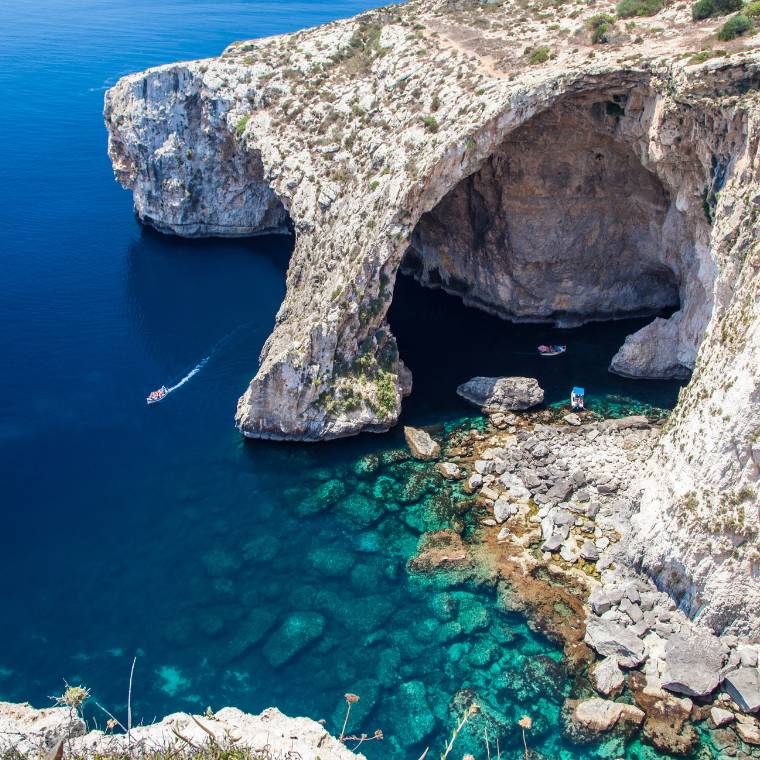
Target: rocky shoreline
<point>555,494</point>
<point>29,732</point>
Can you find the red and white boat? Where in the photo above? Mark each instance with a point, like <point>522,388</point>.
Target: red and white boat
<point>158,395</point>
<point>551,350</point>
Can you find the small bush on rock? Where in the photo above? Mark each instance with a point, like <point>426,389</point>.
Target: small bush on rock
<point>629,8</point>
<point>708,8</point>
<point>540,55</point>
<point>600,26</point>
<point>734,27</point>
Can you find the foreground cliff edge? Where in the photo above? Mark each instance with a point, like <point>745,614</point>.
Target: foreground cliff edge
<point>499,153</point>
<point>29,732</point>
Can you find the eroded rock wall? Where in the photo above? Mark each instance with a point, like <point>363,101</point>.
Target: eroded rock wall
<point>187,171</point>
<point>562,223</point>
<point>361,132</point>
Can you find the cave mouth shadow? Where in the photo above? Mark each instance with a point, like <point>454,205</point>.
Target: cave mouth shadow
<point>565,235</point>
<point>445,343</point>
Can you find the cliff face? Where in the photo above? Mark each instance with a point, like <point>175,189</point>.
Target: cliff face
<point>609,179</point>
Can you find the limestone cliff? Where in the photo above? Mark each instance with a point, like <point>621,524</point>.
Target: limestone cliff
<point>26,731</point>
<point>497,152</point>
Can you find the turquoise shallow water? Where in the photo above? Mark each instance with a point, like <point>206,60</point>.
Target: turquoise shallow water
<point>239,573</point>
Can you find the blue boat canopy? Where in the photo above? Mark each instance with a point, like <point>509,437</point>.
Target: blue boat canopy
<point>579,391</point>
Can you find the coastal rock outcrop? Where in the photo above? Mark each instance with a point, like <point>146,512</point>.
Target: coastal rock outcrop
<point>421,444</point>
<point>33,732</point>
<point>501,394</point>
<point>607,180</point>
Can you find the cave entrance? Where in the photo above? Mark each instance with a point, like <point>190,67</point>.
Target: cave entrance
<point>445,343</point>
<point>561,227</point>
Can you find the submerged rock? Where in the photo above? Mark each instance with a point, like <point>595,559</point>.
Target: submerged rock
<point>409,713</point>
<point>501,394</point>
<point>298,630</point>
<point>421,444</point>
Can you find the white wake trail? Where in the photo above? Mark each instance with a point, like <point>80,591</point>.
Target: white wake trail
<point>194,371</point>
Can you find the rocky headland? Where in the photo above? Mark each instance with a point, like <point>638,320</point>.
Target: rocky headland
<point>543,162</point>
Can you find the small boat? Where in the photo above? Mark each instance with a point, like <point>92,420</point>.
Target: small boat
<point>576,399</point>
<point>158,395</point>
<point>551,350</point>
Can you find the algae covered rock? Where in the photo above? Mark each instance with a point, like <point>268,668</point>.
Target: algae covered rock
<point>321,498</point>
<point>409,713</point>
<point>250,631</point>
<point>298,630</point>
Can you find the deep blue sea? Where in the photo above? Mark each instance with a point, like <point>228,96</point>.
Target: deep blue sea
<point>242,573</point>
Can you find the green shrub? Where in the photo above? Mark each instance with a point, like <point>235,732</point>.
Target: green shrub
<point>600,26</point>
<point>752,10</point>
<point>431,123</point>
<point>629,8</point>
<point>708,8</point>
<point>539,55</point>
<point>241,124</point>
<point>734,27</point>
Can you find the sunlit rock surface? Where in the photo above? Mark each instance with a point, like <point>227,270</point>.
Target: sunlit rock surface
<point>401,136</point>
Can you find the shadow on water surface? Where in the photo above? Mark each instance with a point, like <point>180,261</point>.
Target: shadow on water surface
<point>445,343</point>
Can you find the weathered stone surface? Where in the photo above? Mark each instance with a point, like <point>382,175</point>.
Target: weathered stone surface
<point>421,444</point>
<point>664,214</point>
<point>748,732</point>
<point>553,543</point>
<point>607,638</point>
<point>720,717</point>
<point>501,394</point>
<point>607,677</point>
<point>449,470</point>
<point>602,714</point>
<point>36,731</point>
<point>693,662</point>
<point>743,686</point>
<point>652,352</point>
<point>440,550</point>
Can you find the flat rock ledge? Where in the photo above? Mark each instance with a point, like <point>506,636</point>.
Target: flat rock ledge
<point>34,732</point>
<point>501,394</point>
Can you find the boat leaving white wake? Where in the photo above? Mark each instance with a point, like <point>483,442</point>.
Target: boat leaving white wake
<point>163,391</point>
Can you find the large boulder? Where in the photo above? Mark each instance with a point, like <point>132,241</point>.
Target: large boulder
<point>602,714</point>
<point>652,352</point>
<point>421,444</point>
<point>610,639</point>
<point>501,394</point>
<point>693,662</point>
<point>743,686</point>
<point>607,677</point>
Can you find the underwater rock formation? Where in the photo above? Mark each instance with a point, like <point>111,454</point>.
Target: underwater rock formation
<point>607,180</point>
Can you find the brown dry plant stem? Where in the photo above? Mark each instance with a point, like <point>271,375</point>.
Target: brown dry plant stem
<point>350,699</point>
<point>471,710</point>
<point>525,722</point>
